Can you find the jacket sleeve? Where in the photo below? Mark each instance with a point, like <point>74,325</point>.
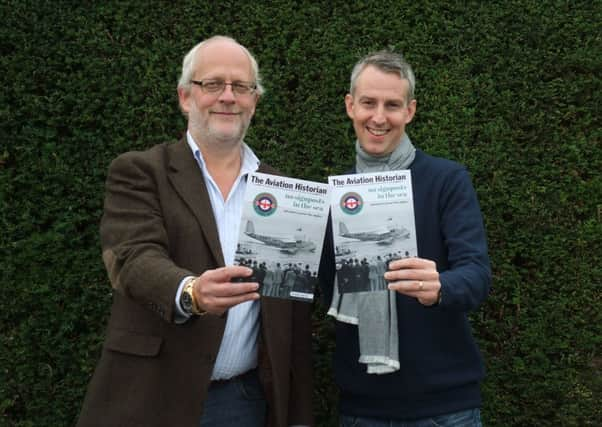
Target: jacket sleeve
<point>134,237</point>
<point>301,391</point>
<point>466,281</point>
<point>327,269</point>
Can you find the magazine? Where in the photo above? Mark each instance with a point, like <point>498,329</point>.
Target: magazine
<point>282,231</point>
<point>373,224</point>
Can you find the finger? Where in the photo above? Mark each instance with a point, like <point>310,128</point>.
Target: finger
<point>410,287</point>
<point>220,304</point>
<point>427,294</point>
<point>226,274</point>
<point>427,300</point>
<point>414,262</point>
<point>228,289</point>
<point>411,274</point>
<point>238,299</point>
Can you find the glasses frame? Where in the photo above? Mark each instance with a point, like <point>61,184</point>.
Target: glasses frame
<point>248,88</point>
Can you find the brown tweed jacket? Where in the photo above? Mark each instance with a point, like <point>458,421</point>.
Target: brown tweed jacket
<point>157,228</point>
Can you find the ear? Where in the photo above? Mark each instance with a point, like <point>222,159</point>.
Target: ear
<point>349,105</point>
<point>411,111</point>
<point>184,99</point>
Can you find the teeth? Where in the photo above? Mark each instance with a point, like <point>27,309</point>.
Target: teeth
<point>378,132</point>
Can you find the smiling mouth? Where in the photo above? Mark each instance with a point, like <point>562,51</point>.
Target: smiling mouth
<point>377,132</point>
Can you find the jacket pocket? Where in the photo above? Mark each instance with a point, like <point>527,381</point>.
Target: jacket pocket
<point>129,342</point>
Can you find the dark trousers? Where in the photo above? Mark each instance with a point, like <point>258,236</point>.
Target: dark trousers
<point>236,402</point>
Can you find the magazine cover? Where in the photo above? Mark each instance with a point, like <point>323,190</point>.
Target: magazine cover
<point>373,223</point>
<point>282,232</point>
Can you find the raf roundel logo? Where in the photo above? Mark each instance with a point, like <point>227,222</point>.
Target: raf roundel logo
<point>265,204</point>
<point>351,203</point>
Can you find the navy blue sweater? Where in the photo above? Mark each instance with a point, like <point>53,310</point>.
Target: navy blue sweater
<point>441,366</point>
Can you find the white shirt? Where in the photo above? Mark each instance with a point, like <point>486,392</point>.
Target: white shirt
<point>238,349</point>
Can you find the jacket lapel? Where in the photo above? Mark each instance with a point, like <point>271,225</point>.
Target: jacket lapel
<point>187,179</point>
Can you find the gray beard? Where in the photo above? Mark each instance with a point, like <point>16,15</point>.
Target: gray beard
<point>212,137</point>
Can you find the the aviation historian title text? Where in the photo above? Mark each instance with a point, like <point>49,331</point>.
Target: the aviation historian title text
<point>360,180</point>
<point>398,190</point>
<point>299,200</point>
<point>280,183</point>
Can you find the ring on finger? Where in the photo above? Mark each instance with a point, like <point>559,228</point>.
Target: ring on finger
<point>420,285</point>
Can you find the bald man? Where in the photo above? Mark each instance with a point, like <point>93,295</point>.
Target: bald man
<point>186,344</point>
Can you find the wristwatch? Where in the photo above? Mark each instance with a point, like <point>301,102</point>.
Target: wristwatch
<point>187,299</point>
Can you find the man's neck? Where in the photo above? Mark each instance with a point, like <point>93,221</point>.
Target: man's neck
<point>223,163</point>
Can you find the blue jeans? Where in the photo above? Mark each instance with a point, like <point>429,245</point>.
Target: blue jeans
<point>237,402</point>
<point>468,418</point>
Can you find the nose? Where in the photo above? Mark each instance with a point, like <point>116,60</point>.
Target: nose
<point>379,115</point>
<point>227,95</point>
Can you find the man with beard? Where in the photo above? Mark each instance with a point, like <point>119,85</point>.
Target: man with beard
<point>186,343</point>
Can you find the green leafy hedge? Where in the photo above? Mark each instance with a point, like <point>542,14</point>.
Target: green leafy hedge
<point>511,89</point>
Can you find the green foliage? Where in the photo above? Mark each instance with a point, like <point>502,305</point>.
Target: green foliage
<point>511,89</point>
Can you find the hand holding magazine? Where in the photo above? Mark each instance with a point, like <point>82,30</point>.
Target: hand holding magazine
<point>373,224</point>
<point>282,230</point>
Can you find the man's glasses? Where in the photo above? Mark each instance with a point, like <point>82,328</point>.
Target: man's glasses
<point>218,86</point>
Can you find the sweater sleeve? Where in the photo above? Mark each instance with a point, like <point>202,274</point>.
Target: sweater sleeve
<point>466,281</point>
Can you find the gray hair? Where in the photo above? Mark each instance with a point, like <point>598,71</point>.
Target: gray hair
<point>387,62</point>
<point>189,63</point>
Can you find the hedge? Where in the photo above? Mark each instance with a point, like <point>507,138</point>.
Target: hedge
<point>509,88</point>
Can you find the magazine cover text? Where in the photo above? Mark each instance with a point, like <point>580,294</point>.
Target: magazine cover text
<point>373,223</point>
<point>282,232</point>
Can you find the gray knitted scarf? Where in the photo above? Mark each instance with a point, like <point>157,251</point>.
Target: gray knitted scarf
<point>375,313</point>
<point>401,158</point>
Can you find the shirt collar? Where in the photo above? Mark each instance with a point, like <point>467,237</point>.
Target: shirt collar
<point>249,163</point>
